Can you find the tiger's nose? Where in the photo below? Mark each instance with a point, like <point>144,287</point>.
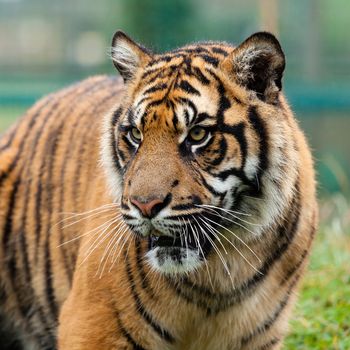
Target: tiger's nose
<point>149,207</point>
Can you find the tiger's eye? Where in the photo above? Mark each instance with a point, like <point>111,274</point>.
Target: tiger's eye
<point>136,134</point>
<point>198,134</point>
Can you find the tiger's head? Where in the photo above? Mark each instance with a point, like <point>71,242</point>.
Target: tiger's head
<point>198,145</point>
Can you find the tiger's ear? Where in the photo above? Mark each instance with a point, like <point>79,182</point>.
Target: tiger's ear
<point>127,55</point>
<point>258,65</point>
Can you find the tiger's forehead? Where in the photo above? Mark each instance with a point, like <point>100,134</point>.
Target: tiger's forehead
<point>179,87</point>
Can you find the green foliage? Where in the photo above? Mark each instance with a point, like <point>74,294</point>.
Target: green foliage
<point>165,23</point>
<point>322,317</point>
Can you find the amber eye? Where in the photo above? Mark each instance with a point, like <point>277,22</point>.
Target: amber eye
<point>136,135</point>
<point>198,134</point>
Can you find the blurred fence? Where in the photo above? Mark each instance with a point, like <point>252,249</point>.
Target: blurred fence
<point>46,45</point>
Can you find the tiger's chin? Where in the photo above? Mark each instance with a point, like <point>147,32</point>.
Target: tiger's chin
<point>173,260</point>
<point>171,256</point>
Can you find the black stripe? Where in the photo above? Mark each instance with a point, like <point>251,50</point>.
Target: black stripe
<point>51,148</point>
<point>86,137</point>
<point>143,99</point>
<point>211,189</point>
<point>183,207</point>
<point>290,272</point>
<point>116,116</point>
<point>219,51</point>
<point>155,103</point>
<point>11,135</point>
<point>238,131</point>
<point>197,73</point>
<point>12,266</point>
<point>203,116</point>
<point>191,105</point>
<point>187,50</point>
<point>163,334</point>
<point>31,124</point>
<point>224,102</point>
<point>268,345</point>
<point>270,321</point>
<point>164,58</point>
<point>148,72</point>
<point>223,175</point>
<point>158,87</point>
<point>184,85</point>
<point>220,156</point>
<point>8,249</point>
<point>50,294</point>
<point>210,59</point>
<point>128,217</point>
<point>260,129</point>
<point>141,271</point>
<point>127,335</point>
<point>130,146</point>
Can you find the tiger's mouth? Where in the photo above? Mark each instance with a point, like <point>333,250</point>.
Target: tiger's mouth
<point>189,242</point>
<point>169,242</point>
<point>178,254</point>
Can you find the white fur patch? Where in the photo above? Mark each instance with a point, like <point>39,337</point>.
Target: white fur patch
<point>190,261</point>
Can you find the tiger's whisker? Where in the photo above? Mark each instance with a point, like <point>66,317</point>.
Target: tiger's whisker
<point>99,209</point>
<point>205,259</point>
<point>215,248</point>
<point>233,215</point>
<point>115,232</point>
<point>86,233</point>
<point>116,253</point>
<point>128,248</point>
<point>238,251</point>
<point>115,259</point>
<point>111,205</point>
<point>218,239</point>
<point>233,221</point>
<point>100,239</point>
<point>116,245</point>
<point>229,210</point>
<point>184,231</point>
<point>90,216</point>
<point>116,237</point>
<point>236,236</point>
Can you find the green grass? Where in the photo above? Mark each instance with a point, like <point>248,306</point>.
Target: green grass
<point>321,319</point>
<point>322,316</point>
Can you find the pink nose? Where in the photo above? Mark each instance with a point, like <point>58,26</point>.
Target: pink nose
<point>149,207</point>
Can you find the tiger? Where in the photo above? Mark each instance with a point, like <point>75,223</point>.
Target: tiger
<point>171,207</point>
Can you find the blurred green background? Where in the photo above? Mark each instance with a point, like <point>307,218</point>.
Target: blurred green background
<point>45,45</point>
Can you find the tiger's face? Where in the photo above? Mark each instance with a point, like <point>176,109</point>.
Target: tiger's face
<point>187,145</point>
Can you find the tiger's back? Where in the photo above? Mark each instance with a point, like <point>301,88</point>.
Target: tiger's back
<point>49,162</point>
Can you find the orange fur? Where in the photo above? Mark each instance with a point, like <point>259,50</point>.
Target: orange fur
<point>50,164</point>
